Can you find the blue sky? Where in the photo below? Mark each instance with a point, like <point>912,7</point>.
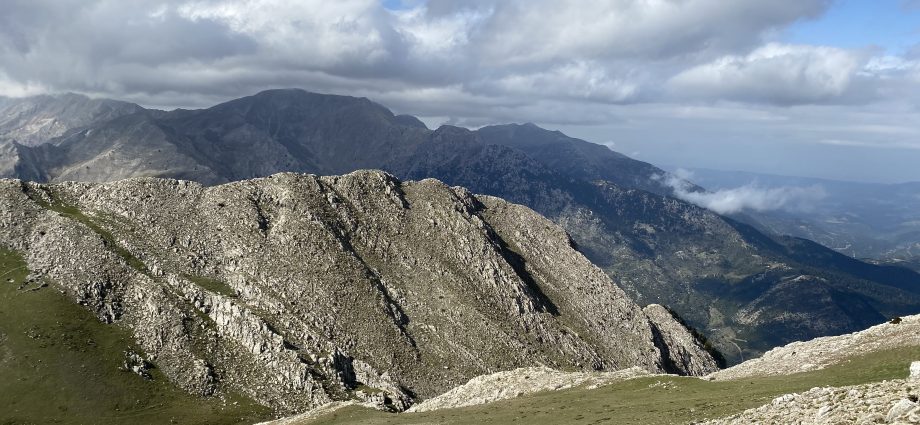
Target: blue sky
<point>893,25</point>
<point>400,4</point>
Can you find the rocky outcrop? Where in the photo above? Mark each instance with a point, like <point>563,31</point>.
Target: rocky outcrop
<point>297,290</point>
<point>519,382</point>
<point>889,402</point>
<point>683,350</point>
<point>821,352</point>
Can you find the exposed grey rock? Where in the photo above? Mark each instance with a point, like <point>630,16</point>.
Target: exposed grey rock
<point>683,350</point>
<point>519,382</point>
<point>821,352</point>
<point>875,403</point>
<point>901,409</point>
<point>135,363</point>
<point>914,371</point>
<point>878,402</point>
<point>299,290</point>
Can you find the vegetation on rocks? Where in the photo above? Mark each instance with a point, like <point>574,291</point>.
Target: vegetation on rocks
<point>60,364</point>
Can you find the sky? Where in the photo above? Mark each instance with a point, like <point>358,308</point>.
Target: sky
<point>813,88</point>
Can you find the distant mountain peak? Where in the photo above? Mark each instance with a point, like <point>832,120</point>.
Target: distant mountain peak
<point>36,120</point>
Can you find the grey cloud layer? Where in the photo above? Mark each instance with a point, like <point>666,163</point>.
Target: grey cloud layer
<point>510,52</point>
<point>555,62</point>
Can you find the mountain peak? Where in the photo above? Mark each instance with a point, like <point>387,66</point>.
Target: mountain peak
<point>35,120</point>
<point>299,94</point>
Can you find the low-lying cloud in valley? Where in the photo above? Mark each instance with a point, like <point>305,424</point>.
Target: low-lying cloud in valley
<point>747,197</point>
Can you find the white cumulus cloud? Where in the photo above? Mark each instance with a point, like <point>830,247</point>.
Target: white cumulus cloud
<point>774,73</point>
<point>747,197</point>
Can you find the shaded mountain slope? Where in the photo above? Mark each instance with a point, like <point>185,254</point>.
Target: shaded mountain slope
<point>296,290</point>
<point>255,136</point>
<point>575,158</point>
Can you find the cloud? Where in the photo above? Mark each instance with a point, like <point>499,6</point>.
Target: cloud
<point>11,88</point>
<point>748,197</point>
<point>645,73</point>
<point>514,51</point>
<point>567,55</point>
<point>914,145</point>
<point>579,80</point>
<point>528,31</point>
<point>774,73</point>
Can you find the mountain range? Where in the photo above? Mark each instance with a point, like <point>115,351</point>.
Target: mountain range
<point>744,289</point>
<point>295,290</point>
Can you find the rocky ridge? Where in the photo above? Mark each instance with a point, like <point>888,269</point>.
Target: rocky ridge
<point>519,382</point>
<point>888,402</point>
<point>892,401</point>
<point>297,290</point>
<point>821,352</point>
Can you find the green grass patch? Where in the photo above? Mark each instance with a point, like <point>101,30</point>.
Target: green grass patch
<point>213,285</point>
<point>652,400</point>
<point>59,364</point>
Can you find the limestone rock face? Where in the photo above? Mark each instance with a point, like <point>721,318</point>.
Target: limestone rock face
<point>298,290</point>
<point>36,120</point>
<point>683,351</point>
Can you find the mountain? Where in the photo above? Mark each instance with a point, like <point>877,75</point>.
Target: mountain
<point>745,290</point>
<point>864,220</point>
<point>271,132</point>
<point>34,120</point>
<point>575,158</point>
<point>296,290</point>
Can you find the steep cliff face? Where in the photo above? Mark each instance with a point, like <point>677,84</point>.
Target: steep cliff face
<point>297,290</point>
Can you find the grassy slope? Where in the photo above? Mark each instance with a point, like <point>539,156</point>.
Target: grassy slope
<point>653,400</point>
<point>58,364</point>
